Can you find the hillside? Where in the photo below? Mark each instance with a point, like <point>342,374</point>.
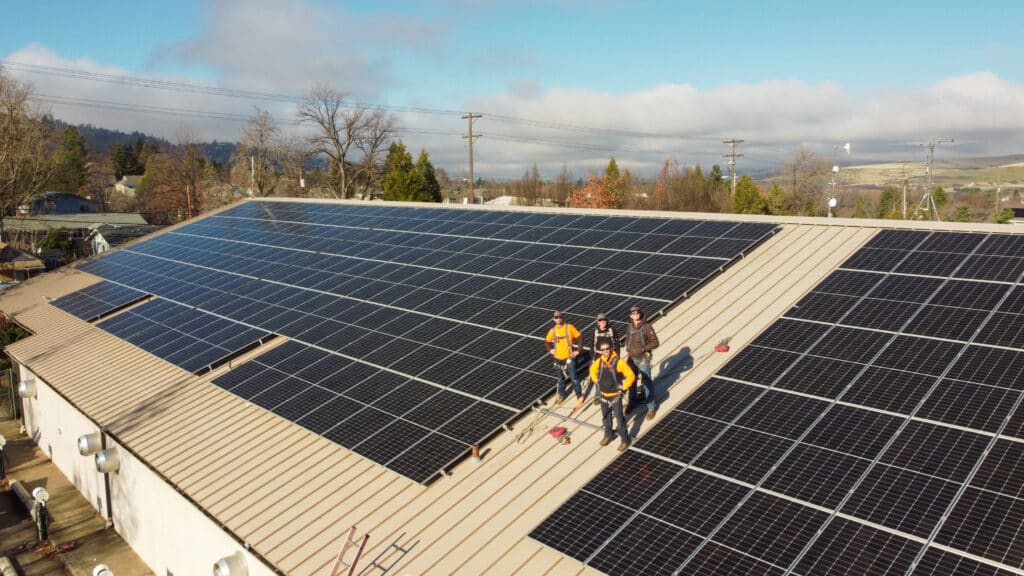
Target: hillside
<point>991,172</point>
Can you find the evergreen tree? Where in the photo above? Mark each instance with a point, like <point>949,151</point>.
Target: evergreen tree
<point>887,202</point>
<point>962,214</point>
<point>402,182</point>
<point>70,162</point>
<point>748,199</point>
<point>431,191</point>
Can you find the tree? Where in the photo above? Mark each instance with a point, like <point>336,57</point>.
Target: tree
<point>595,194</point>
<point>10,332</point>
<point>340,128</point>
<point>806,176</point>
<point>778,203</point>
<point>402,181</point>
<point>378,133</point>
<point>962,213</point>
<point>563,185</point>
<point>256,166</point>
<point>1004,216</point>
<point>748,199</point>
<point>24,165</point>
<point>70,163</point>
<point>530,187</point>
<point>425,172</point>
<point>57,239</point>
<point>174,185</point>
<point>889,203</point>
<point>939,197</point>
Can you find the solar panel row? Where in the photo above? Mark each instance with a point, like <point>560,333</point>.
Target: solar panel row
<point>450,302</point>
<point>876,428</point>
<point>98,300</point>
<point>188,338</point>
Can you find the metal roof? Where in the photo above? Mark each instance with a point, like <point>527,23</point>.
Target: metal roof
<point>292,495</point>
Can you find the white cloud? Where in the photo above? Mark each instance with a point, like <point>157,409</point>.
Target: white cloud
<point>256,47</point>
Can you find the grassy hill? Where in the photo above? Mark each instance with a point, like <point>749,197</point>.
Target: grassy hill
<point>984,173</point>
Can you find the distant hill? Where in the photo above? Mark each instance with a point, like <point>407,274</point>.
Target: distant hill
<point>982,172</point>
<point>102,141</point>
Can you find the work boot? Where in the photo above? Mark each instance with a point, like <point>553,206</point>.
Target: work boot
<point>623,445</point>
<point>559,399</point>
<point>651,414</point>
<point>606,440</point>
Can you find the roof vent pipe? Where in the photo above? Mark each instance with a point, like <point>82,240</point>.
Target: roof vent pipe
<point>233,565</point>
<point>107,461</point>
<point>27,389</point>
<point>89,444</point>
<point>102,570</point>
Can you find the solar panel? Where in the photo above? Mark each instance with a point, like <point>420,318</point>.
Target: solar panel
<point>452,299</point>
<point>875,428</point>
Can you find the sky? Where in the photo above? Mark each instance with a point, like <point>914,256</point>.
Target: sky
<point>559,83</point>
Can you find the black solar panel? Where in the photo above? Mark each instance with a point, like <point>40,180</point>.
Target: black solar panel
<point>427,321</point>
<point>875,429</point>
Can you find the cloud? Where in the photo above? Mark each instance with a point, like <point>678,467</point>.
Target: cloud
<point>528,123</point>
<point>289,47</point>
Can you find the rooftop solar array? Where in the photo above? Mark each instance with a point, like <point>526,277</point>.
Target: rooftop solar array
<point>98,300</point>
<point>424,325</point>
<point>876,428</point>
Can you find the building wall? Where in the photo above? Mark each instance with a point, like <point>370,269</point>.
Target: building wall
<point>163,527</point>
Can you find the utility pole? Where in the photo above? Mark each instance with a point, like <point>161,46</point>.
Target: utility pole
<point>471,137</point>
<point>732,156</point>
<point>903,181</point>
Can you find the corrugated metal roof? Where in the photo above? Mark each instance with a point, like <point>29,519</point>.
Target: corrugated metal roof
<point>292,495</point>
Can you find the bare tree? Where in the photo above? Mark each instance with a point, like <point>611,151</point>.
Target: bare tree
<point>378,133</point>
<point>530,187</point>
<point>24,162</point>
<point>256,166</point>
<point>292,153</point>
<point>339,128</point>
<point>804,178</point>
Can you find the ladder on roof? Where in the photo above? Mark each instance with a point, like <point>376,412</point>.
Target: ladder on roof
<point>350,542</point>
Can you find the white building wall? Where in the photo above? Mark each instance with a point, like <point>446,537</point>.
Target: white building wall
<point>163,527</point>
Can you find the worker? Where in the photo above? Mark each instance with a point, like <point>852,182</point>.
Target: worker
<point>613,377</point>
<point>564,342</point>
<point>603,332</point>
<point>640,341</point>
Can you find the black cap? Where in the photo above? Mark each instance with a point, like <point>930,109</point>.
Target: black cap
<point>635,308</point>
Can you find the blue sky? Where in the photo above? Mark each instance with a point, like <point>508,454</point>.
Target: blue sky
<point>781,75</point>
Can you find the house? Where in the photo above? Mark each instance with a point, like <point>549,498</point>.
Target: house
<point>106,236</point>
<point>222,465</point>
<point>25,231</point>
<point>57,203</point>
<point>15,265</point>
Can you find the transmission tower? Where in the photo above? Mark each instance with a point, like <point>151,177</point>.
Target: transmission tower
<point>732,156</point>
<point>471,137</point>
<point>927,203</point>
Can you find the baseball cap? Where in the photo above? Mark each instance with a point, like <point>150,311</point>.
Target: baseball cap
<point>601,316</point>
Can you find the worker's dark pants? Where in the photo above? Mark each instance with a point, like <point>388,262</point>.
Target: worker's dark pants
<point>642,368</point>
<point>570,368</point>
<point>608,408</point>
